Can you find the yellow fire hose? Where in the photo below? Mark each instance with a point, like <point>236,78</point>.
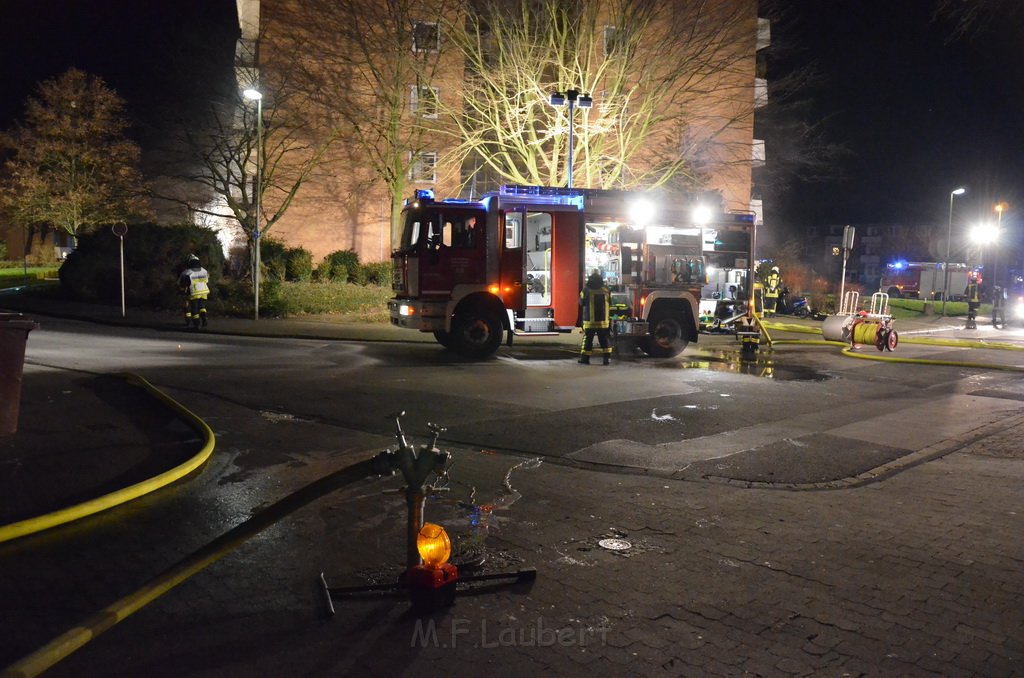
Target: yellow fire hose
<point>73,639</point>
<point>928,341</point>
<point>88,508</point>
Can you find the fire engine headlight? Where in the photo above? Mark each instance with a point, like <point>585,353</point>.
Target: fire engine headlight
<point>1020,309</point>
<point>406,309</point>
<point>434,545</point>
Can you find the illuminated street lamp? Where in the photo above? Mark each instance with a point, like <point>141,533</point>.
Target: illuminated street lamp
<point>574,99</point>
<point>983,235</point>
<point>949,238</point>
<point>257,96</point>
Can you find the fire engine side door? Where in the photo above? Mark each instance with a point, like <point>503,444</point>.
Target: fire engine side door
<point>455,252</point>
<point>566,266</point>
<point>512,266</point>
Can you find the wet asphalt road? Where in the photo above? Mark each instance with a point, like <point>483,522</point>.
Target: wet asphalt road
<point>675,417</point>
<point>286,412</point>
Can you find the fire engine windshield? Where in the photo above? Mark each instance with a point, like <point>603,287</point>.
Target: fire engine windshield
<point>433,228</point>
<point>406,237</point>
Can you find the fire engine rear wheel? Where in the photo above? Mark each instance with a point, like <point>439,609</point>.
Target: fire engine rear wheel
<point>667,338</point>
<point>476,333</point>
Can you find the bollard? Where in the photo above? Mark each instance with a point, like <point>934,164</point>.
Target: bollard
<point>14,329</point>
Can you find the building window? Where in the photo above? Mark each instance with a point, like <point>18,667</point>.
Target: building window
<point>613,40</point>
<point>423,167</point>
<point>423,101</point>
<point>426,37</point>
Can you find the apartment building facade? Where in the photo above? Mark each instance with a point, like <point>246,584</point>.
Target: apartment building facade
<point>350,201</point>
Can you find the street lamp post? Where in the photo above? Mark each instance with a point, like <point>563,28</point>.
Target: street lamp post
<point>949,238</point>
<point>257,96</point>
<point>999,208</point>
<point>574,99</point>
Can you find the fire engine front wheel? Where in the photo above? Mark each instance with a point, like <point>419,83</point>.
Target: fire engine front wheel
<point>667,338</point>
<point>476,333</point>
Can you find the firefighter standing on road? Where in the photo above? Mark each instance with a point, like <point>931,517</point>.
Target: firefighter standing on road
<point>194,282</point>
<point>973,294</point>
<point>772,286</point>
<point>596,302</point>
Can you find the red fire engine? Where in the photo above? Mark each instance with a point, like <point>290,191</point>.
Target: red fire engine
<point>923,280</point>
<point>512,264</point>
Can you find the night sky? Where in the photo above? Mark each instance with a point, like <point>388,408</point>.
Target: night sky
<point>157,54</point>
<point>917,114</point>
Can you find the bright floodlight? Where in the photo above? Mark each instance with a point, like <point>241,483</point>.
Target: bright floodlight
<point>252,94</point>
<point>701,215</point>
<point>984,234</point>
<point>642,211</point>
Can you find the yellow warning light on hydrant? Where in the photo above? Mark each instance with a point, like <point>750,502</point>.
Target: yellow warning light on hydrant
<point>434,545</point>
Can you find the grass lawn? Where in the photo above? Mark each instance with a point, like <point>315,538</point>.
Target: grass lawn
<point>914,308</point>
<point>16,277</point>
<point>357,303</point>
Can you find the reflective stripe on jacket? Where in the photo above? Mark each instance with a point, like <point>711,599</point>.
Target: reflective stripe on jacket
<point>198,283</point>
<point>772,285</point>
<point>972,292</point>
<point>596,303</point>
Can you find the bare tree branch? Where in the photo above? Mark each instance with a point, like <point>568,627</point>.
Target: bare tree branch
<point>670,83</point>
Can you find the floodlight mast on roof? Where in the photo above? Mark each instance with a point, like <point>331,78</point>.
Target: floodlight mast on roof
<point>949,238</point>
<point>574,99</point>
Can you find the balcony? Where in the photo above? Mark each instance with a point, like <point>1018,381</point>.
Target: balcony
<point>760,92</point>
<point>757,151</point>
<point>764,33</point>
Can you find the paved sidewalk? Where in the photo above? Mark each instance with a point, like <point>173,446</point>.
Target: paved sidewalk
<point>918,575</point>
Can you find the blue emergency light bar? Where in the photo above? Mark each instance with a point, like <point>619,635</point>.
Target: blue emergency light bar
<point>515,189</point>
<point>543,195</point>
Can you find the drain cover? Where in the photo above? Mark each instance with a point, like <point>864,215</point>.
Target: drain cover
<point>614,544</point>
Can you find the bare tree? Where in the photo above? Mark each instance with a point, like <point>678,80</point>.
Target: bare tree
<point>227,155</point>
<point>970,18</point>
<point>73,167</point>
<point>217,150</point>
<point>670,83</point>
<point>370,70</point>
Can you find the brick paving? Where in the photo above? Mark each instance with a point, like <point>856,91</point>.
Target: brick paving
<point>917,574</point>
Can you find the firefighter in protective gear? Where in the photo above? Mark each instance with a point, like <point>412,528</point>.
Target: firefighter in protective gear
<point>596,302</point>
<point>772,286</point>
<point>194,282</point>
<point>973,295</point>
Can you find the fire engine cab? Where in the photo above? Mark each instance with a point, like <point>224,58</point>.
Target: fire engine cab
<point>512,264</point>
